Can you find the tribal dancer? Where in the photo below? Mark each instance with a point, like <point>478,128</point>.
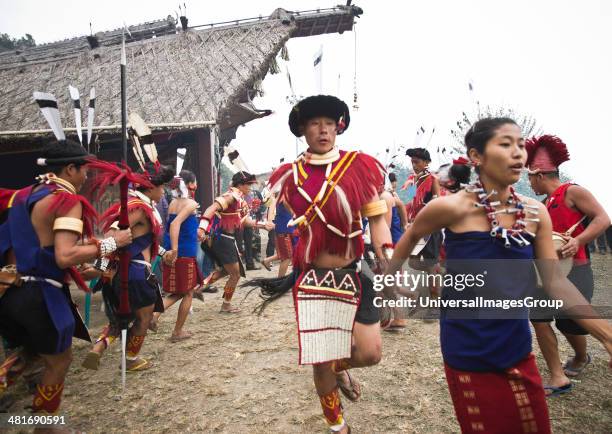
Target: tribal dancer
<point>426,256</point>
<point>144,293</point>
<point>328,191</point>
<point>181,274</point>
<point>396,219</point>
<point>278,217</point>
<point>491,373</point>
<point>568,204</point>
<point>43,230</point>
<point>219,224</point>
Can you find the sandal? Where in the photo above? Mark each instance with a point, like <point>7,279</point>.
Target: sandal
<point>92,361</point>
<point>265,265</point>
<point>574,372</point>
<point>137,364</point>
<point>556,391</point>
<point>352,392</point>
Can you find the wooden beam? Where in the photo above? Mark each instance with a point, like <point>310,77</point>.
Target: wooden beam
<point>205,143</point>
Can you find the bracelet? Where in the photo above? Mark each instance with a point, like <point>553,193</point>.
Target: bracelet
<point>107,246</point>
<point>387,250</point>
<point>101,264</point>
<point>161,251</point>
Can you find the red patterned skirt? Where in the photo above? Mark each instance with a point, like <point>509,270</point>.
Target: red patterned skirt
<point>512,401</point>
<point>182,277</point>
<point>284,247</point>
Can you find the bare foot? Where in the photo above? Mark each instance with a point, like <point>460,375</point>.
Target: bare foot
<point>228,308</point>
<point>177,337</point>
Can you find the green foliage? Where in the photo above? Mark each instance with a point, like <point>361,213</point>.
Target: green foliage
<point>8,43</point>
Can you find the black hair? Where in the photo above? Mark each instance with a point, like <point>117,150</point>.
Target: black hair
<point>158,176</point>
<point>188,176</point>
<point>420,153</point>
<point>459,174</point>
<point>392,177</point>
<point>64,149</point>
<point>482,131</point>
<point>241,178</point>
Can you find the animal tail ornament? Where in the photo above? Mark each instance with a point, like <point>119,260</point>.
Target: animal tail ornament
<point>107,173</point>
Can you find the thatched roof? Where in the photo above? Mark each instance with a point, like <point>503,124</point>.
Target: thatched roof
<point>176,79</point>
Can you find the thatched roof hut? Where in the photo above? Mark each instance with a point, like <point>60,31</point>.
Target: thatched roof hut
<point>193,85</point>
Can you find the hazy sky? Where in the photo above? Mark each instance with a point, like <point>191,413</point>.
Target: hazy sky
<point>546,58</point>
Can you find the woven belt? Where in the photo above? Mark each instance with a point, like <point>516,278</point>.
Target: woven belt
<point>42,279</point>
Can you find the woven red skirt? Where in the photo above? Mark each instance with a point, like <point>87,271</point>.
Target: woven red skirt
<point>512,401</point>
<point>284,248</point>
<point>181,278</point>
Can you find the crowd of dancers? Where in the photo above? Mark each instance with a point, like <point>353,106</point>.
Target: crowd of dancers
<point>337,221</point>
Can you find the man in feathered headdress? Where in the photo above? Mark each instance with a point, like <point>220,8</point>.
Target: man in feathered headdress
<point>219,223</point>
<point>568,204</point>
<point>36,310</point>
<point>328,191</point>
<point>144,292</point>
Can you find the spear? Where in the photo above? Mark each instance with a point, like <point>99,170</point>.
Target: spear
<point>124,223</point>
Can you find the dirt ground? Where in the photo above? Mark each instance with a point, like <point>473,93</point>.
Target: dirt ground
<point>240,374</point>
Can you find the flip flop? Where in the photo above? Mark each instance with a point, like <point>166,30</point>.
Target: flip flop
<point>210,289</point>
<point>354,392</point>
<point>92,361</point>
<point>139,365</point>
<point>574,372</point>
<point>265,265</point>
<point>556,391</point>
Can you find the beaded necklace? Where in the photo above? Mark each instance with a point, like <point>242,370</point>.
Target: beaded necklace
<point>518,207</point>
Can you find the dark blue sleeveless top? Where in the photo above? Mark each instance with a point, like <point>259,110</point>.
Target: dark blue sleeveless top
<point>188,236</point>
<point>486,339</point>
<point>136,270</point>
<point>281,219</point>
<point>396,226</point>
<point>32,259</point>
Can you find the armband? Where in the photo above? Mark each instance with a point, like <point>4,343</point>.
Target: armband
<point>68,224</point>
<point>204,224</point>
<point>374,208</point>
<point>107,246</point>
